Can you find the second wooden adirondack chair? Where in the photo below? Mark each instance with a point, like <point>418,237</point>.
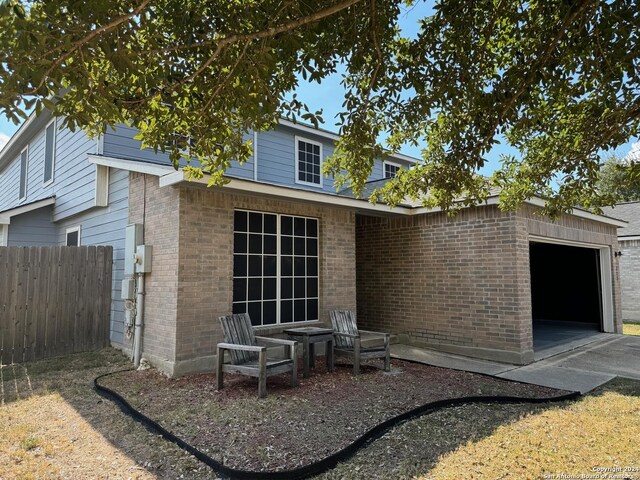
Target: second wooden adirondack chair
<point>248,353</point>
<point>348,341</point>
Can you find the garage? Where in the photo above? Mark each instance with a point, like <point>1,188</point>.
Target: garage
<point>566,295</point>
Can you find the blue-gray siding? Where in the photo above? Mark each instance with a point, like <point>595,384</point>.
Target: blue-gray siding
<point>276,156</point>
<point>106,226</point>
<point>34,228</point>
<point>74,177</point>
<point>120,143</point>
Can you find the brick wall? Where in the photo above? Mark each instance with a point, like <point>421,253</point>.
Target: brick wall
<point>453,283</point>
<point>157,209</point>
<point>630,279</point>
<point>191,230</point>
<point>461,284</point>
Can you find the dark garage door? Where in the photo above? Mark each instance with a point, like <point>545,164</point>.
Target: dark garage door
<point>565,283</point>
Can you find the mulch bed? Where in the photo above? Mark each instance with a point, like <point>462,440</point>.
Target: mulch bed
<point>296,426</point>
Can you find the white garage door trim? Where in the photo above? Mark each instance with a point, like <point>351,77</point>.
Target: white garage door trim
<point>605,275</point>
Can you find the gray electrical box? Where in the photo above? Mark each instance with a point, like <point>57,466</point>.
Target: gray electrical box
<point>133,236</point>
<point>128,291</point>
<point>143,258</point>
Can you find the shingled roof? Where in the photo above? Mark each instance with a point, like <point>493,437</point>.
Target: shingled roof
<point>630,212</point>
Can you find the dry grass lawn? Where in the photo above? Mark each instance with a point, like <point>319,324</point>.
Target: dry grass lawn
<point>54,426</point>
<point>600,431</point>
<point>631,329</point>
<point>510,441</point>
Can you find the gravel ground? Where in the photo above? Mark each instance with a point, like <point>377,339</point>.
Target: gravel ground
<point>296,426</point>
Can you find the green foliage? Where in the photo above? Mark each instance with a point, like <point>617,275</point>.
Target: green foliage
<point>618,181</point>
<point>559,81</point>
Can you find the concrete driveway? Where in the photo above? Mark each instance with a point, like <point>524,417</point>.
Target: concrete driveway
<point>581,369</point>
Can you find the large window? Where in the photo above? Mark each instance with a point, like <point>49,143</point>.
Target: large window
<point>49,152</point>
<point>308,162</point>
<point>24,166</point>
<point>275,267</point>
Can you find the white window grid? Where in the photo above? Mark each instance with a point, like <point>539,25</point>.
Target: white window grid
<point>312,164</point>
<point>390,169</point>
<point>278,300</point>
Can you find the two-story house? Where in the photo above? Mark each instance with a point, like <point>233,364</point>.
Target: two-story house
<point>280,243</point>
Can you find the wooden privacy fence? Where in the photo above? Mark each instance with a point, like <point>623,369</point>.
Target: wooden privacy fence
<point>53,301</point>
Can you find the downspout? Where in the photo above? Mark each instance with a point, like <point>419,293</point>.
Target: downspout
<point>255,156</point>
<point>139,322</point>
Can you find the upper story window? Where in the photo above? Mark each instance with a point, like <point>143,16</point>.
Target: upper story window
<point>49,152</point>
<point>390,169</point>
<point>308,162</point>
<point>24,165</point>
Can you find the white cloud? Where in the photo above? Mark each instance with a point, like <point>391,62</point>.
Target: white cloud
<point>4,139</point>
<point>634,153</point>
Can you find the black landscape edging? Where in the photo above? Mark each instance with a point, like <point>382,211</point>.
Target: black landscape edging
<point>326,463</point>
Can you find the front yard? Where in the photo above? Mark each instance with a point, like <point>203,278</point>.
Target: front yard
<point>53,425</point>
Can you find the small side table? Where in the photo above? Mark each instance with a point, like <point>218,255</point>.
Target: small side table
<point>308,336</point>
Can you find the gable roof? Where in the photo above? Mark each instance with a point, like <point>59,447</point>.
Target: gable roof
<point>37,122</point>
<point>628,211</point>
<point>20,138</point>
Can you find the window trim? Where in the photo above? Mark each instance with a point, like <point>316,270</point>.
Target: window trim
<point>77,228</point>
<point>299,139</point>
<point>278,276</point>
<point>26,174</point>
<point>384,164</point>
<point>46,183</point>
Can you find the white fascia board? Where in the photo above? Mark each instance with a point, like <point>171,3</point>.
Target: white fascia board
<point>335,137</point>
<point>176,177</point>
<point>620,239</point>
<point>535,201</point>
<point>5,217</point>
<point>17,137</point>
<point>131,165</point>
<point>418,210</point>
<point>576,212</point>
<point>561,241</point>
<point>307,129</point>
<point>288,193</point>
<point>401,156</point>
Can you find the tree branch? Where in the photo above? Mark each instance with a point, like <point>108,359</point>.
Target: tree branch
<point>98,31</point>
<point>544,58</point>
<point>269,32</point>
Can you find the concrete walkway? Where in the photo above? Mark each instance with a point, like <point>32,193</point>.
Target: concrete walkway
<point>581,369</point>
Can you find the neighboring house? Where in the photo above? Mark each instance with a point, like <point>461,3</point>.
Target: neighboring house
<point>629,240</point>
<point>278,242</point>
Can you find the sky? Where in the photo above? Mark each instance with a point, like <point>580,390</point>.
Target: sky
<point>328,96</point>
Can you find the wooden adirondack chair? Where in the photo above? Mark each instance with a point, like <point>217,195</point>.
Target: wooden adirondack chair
<point>348,340</point>
<point>248,353</point>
